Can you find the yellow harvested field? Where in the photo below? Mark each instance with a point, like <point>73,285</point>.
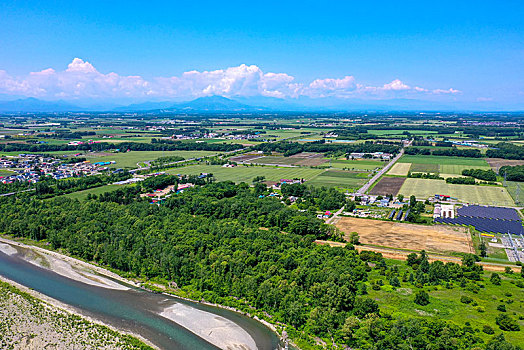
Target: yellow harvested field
<point>398,235</point>
<point>400,169</point>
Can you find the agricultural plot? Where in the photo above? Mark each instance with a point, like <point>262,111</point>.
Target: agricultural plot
<point>362,164</point>
<point>424,168</point>
<point>340,178</point>
<point>443,160</point>
<point>245,157</point>
<point>247,173</point>
<point>457,168</point>
<point>130,159</point>
<point>273,160</point>
<point>400,169</point>
<point>486,195</point>
<point>408,236</point>
<point>388,185</point>
<point>303,159</point>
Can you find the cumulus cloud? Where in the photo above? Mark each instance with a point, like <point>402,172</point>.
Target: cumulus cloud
<point>82,80</point>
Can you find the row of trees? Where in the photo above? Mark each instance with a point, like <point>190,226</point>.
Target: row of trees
<point>506,150</point>
<point>291,148</point>
<point>450,152</point>
<point>486,175</point>
<point>155,145</point>
<point>512,173</point>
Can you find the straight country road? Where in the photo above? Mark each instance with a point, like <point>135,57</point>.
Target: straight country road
<point>368,184</point>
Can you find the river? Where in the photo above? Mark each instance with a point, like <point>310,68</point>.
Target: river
<point>133,309</point>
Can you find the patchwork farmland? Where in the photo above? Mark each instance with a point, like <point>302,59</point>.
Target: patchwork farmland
<point>247,173</point>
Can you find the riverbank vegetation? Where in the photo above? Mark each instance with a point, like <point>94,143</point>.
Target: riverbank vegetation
<point>28,323</point>
<point>223,243</point>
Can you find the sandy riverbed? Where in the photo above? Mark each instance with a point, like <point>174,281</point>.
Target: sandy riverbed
<point>65,267</point>
<point>215,329</point>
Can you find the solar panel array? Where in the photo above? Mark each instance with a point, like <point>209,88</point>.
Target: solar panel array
<point>479,211</point>
<point>485,224</point>
<point>487,219</point>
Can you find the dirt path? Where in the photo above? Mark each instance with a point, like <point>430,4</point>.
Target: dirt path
<point>397,254</point>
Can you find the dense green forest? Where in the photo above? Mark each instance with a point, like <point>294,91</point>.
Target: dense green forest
<point>512,173</point>
<point>224,243</point>
<point>506,150</point>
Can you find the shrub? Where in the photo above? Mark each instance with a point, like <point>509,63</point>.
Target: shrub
<point>422,298</point>
<point>495,279</point>
<point>501,308</point>
<point>487,329</point>
<point>465,299</point>
<point>506,323</point>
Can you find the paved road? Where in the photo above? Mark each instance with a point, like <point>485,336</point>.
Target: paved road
<point>368,184</point>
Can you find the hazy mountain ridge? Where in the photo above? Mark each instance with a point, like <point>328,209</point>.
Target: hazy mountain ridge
<point>212,104</point>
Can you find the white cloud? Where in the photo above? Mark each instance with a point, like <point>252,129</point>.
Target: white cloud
<point>396,85</point>
<point>331,87</point>
<point>445,92</point>
<point>82,80</point>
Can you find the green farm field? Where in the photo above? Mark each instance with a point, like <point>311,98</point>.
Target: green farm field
<point>96,190</point>
<point>247,173</point>
<point>340,178</point>
<point>443,160</point>
<point>486,195</point>
<point>130,159</point>
<point>6,172</point>
<point>457,168</point>
<point>517,195</point>
<point>356,164</point>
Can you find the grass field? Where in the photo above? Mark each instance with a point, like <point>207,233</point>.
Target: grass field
<point>400,169</point>
<point>97,190</point>
<point>457,168</point>
<point>445,304</point>
<point>487,195</point>
<point>424,168</point>
<point>443,160</point>
<point>340,178</point>
<point>356,164</point>
<point>6,172</point>
<point>247,173</point>
<point>512,189</point>
<point>130,159</point>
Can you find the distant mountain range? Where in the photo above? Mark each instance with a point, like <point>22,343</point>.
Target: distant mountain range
<point>32,105</point>
<point>239,104</point>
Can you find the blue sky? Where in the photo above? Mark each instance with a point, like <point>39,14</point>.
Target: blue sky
<point>444,51</point>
